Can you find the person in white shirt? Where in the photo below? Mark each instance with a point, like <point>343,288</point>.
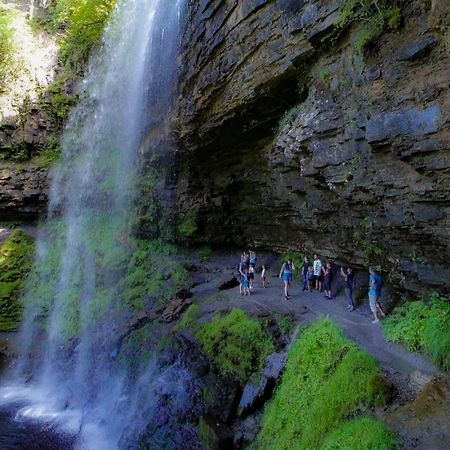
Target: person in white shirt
<point>264,276</point>
<point>317,268</point>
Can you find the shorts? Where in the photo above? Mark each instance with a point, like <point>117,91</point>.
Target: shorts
<point>287,277</point>
<point>251,276</point>
<point>373,303</point>
<point>327,284</point>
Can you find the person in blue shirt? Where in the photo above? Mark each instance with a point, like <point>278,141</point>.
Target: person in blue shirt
<point>286,272</point>
<point>375,283</point>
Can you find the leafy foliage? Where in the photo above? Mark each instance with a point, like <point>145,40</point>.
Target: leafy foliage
<point>84,21</point>
<point>236,343</point>
<point>327,379</point>
<point>15,262</point>
<point>372,17</point>
<point>423,326</point>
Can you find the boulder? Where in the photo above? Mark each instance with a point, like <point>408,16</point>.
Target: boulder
<point>259,388</point>
<point>174,309</point>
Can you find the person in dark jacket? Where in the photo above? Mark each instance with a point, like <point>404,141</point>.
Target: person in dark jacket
<point>349,279</point>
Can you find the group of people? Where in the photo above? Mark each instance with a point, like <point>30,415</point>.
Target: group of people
<point>247,273</point>
<point>315,275</point>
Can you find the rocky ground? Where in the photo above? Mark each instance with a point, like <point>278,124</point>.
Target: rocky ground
<point>421,405</point>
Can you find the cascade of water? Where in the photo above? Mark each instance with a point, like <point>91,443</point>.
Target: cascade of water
<point>75,301</point>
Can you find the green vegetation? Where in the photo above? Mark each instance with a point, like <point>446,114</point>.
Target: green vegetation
<point>364,433</point>
<point>235,343</point>
<point>286,323</point>
<point>325,74</point>
<point>424,327</point>
<point>205,253</point>
<point>127,271</point>
<point>297,260</point>
<point>327,382</point>
<point>187,224</point>
<point>7,33</point>
<point>371,16</point>
<point>15,262</point>
<point>83,22</point>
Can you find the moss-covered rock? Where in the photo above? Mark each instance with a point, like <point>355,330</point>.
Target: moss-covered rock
<point>327,380</point>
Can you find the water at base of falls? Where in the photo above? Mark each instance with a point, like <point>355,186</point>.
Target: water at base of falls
<point>69,389</point>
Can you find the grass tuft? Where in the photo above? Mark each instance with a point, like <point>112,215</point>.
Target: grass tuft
<point>327,379</point>
<point>421,326</point>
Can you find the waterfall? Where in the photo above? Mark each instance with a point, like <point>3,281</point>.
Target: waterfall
<point>76,297</point>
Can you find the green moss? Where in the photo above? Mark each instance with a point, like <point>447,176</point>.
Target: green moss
<point>363,433</point>
<point>128,272</point>
<point>205,253</point>
<point>83,22</point>
<point>371,17</point>
<point>15,262</point>
<point>189,320</point>
<point>286,324</point>
<point>423,326</point>
<point>187,224</point>
<point>235,343</point>
<point>327,379</point>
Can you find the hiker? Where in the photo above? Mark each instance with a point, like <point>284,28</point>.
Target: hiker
<point>251,274</point>
<point>349,279</point>
<point>375,283</point>
<point>306,266</point>
<point>286,272</point>
<point>310,277</point>
<point>243,265</point>
<point>327,280</point>
<point>264,276</point>
<point>246,282</point>
<point>252,258</point>
<point>317,265</point>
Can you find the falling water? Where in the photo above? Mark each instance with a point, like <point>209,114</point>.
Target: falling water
<point>77,299</point>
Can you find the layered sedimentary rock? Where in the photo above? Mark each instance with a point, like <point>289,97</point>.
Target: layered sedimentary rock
<point>23,192</point>
<point>291,137</point>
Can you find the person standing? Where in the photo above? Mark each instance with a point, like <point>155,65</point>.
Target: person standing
<point>374,293</point>
<point>243,266</point>
<point>327,280</point>
<point>286,273</point>
<point>251,275</point>
<point>317,268</point>
<point>252,259</point>
<point>263,276</point>
<point>310,278</point>
<point>306,266</point>
<point>349,279</point>
<point>246,282</point>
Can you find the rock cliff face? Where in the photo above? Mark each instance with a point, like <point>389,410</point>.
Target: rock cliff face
<point>23,192</point>
<point>292,137</point>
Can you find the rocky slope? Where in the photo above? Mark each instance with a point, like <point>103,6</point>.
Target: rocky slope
<point>294,135</point>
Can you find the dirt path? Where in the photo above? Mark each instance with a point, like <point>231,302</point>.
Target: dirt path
<point>306,306</point>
